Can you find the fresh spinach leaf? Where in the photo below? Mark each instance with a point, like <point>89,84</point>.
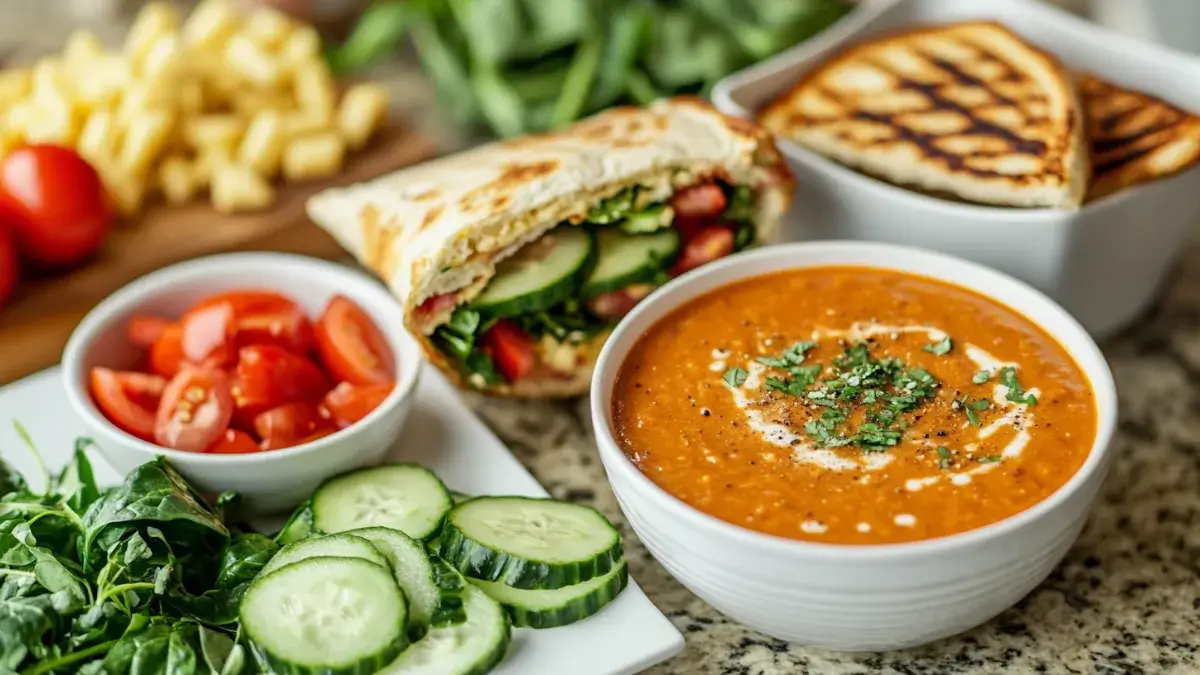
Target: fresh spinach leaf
<point>76,483</point>
<point>244,559</point>
<point>24,623</point>
<point>298,526</point>
<point>221,653</point>
<point>457,337</point>
<point>153,493</point>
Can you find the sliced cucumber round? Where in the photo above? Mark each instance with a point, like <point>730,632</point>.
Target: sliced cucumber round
<point>434,590</point>
<point>651,219</point>
<point>532,543</point>
<point>402,496</point>
<point>560,607</point>
<point>623,259</point>
<point>542,274</point>
<point>471,648</point>
<point>341,616</point>
<point>298,526</point>
<point>331,546</point>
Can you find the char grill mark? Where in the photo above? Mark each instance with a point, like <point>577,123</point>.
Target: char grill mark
<point>937,102</point>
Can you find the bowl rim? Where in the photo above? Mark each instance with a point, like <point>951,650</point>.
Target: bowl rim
<point>350,282</point>
<point>949,269</point>
<point>849,30</point>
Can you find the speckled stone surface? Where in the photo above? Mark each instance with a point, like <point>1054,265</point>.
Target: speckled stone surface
<point>1125,601</point>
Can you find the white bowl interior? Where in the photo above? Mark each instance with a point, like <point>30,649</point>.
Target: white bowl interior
<point>1001,288</point>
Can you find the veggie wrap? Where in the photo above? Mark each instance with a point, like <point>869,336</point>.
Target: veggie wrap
<point>515,259</point>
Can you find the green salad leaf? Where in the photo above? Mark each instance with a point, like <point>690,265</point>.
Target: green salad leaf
<point>142,578</point>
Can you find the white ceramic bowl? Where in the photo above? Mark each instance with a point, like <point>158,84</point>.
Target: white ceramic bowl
<point>855,597</point>
<point>268,481</point>
<point>1104,263</point>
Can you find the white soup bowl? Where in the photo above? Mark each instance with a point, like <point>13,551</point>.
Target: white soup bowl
<point>854,597</point>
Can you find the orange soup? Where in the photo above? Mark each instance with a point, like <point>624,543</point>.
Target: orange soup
<point>853,405</point>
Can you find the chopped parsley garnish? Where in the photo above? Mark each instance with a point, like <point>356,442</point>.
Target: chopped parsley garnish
<point>943,457</point>
<point>982,376</point>
<point>1016,393</point>
<point>864,398</point>
<point>990,459</point>
<point>973,407</point>
<point>941,348</point>
<point>735,376</point>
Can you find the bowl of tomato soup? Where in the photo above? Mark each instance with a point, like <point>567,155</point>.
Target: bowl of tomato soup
<point>260,373</point>
<point>857,446</point>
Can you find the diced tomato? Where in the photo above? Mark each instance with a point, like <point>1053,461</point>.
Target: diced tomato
<point>144,330</point>
<point>128,399</point>
<point>268,376</point>
<point>195,410</point>
<point>289,424</point>
<point>706,245</point>
<point>351,346</point>
<point>208,335</point>
<point>437,304</point>
<point>510,348</point>
<point>265,317</point>
<point>166,354</point>
<point>348,403</point>
<point>699,201</point>
<point>234,442</point>
<point>617,304</point>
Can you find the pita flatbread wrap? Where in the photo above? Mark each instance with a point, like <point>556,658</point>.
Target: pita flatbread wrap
<point>514,260</point>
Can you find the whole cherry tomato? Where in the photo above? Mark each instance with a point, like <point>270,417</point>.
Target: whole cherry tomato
<point>351,346</point>
<point>55,204</point>
<point>9,266</point>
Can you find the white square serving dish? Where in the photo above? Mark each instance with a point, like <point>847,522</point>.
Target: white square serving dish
<point>1104,263</point>
<point>442,434</point>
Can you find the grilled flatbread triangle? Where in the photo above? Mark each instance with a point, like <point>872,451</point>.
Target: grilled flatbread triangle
<point>966,110</point>
<point>1134,138</point>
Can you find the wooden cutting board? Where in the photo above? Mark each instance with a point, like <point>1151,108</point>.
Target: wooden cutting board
<point>36,323</point>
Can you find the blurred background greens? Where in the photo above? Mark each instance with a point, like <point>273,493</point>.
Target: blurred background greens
<point>518,66</point>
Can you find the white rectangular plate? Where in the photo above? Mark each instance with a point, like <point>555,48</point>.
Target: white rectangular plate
<point>444,435</point>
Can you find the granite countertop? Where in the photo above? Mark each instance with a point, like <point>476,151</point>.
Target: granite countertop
<point>1125,601</point>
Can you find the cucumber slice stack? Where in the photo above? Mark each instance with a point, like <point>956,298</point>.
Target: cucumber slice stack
<point>358,588</point>
<point>549,563</point>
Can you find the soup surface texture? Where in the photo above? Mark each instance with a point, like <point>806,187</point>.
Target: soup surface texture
<point>853,405</point>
